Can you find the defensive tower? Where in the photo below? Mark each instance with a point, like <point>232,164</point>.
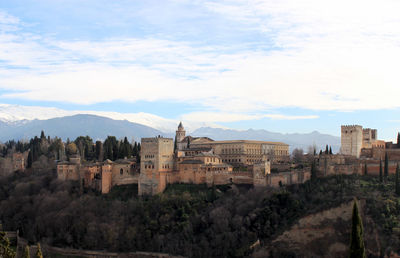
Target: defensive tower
<point>351,140</point>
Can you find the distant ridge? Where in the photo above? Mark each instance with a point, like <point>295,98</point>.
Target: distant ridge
<point>295,140</point>
<point>96,127</point>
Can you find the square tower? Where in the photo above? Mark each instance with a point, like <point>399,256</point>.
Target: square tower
<point>351,140</point>
<point>157,159</point>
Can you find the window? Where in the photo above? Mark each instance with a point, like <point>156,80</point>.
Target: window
<point>121,171</point>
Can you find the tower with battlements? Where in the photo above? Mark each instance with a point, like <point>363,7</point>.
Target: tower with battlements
<point>351,140</point>
<point>157,160</point>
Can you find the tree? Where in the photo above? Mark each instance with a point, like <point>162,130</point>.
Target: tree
<point>39,252</point>
<point>326,149</point>
<point>85,147</point>
<point>297,155</point>
<point>397,190</point>
<point>386,166</point>
<point>26,252</point>
<point>357,249</point>
<point>30,159</point>
<point>330,150</point>
<point>365,168</point>
<point>313,171</point>
<point>380,171</point>
<point>110,148</point>
<point>42,136</point>
<point>175,145</point>
<point>5,249</point>
<point>99,150</point>
<point>398,140</point>
<point>71,149</point>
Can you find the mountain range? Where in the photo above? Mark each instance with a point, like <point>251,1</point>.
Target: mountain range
<point>98,128</point>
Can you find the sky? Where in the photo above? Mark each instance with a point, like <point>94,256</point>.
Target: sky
<point>280,65</point>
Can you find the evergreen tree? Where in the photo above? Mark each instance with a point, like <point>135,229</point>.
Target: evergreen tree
<point>39,252</point>
<point>380,171</point>
<point>135,149</point>
<point>357,249</point>
<point>365,168</point>
<point>397,190</point>
<point>175,145</point>
<point>5,249</point>
<point>330,150</point>
<point>42,136</point>
<point>99,150</point>
<point>30,159</point>
<point>326,149</point>
<point>313,171</point>
<point>320,152</point>
<point>188,142</point>
<point>138,153</point>
<point>386,166</point>
<point>26,252</point>
<point>398,140</point>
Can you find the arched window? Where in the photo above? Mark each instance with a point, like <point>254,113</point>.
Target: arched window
<point>121,171</point>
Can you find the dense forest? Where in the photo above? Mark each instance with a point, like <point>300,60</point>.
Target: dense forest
<point>189,220</point>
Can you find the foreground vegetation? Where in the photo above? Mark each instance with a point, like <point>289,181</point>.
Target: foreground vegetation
<point>189,220</point>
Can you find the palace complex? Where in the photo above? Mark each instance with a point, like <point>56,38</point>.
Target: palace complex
<point>201,160</point>
<point>197,160</point>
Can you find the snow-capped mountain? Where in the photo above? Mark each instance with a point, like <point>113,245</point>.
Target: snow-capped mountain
<point>12,114</point>
<point>23,122</point>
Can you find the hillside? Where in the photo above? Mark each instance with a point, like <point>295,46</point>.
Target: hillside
<point>196,221</point>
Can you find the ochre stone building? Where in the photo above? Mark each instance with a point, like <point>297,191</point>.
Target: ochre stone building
<point>201,160</point>
<point>101,176</point>
<point>354,139</point>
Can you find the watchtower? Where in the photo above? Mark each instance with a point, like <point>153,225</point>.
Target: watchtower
<point>180,133</point>
<point>351,140</point>
<point>157,160</point>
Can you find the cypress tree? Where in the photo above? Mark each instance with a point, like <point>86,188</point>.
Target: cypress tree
<point>397,180</point>
<point>39,252</point>
<point>365,169</point>
<point>320,152</point>
<point>398,140</point>
<point>380,171</point>
<point>313,171</point>
<point>26,252</point>
<point>357,249</point>
<point>330,149</point>
<point>135,149</point>
<point>175,145</point>
<point>326,149</point>
<point>30,159</point>
<point>386,166</point>
<point>42,136</point>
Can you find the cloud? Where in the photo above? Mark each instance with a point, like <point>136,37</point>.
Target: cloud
<point>321,55</point>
